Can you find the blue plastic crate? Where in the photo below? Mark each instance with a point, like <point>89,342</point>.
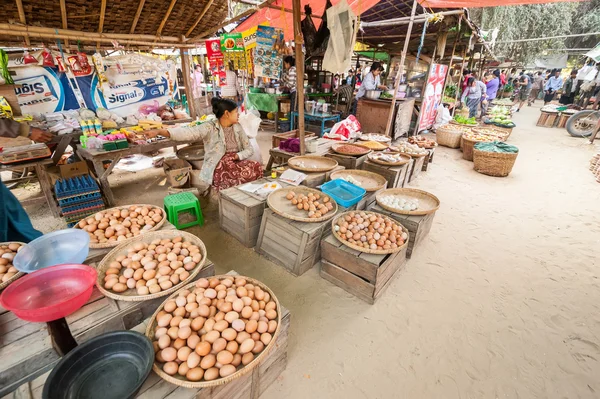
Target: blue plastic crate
<point>79,199</point>
<point>344,193</point>
<point>75,186</point>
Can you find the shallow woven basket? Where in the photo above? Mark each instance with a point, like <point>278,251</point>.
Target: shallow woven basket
<point>497,164</point>
<point>279,204</point>
<point>16,276</point>
<point>502,134</point>
<point>448,138</point>
<point>321,164</point>
<point>368,250</point>
<point>428,202</point>
<point>111,245</point>
<point>131,294</point>
<point>180,380</point>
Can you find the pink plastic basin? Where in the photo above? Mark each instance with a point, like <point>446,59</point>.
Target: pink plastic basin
<point>51,293</point>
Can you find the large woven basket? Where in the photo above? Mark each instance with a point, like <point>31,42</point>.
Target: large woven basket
<point>448,138</point>
<point>497,164</point>
<point>467,148</point>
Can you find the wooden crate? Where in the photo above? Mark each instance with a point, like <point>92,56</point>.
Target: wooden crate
<point>417,168</point>
<point>428,158</point>
<point>348,161</point>
<point>364,275</point>
<point>551,120</point>
<point>395,175</point>
<point>293,245</point>
<point>417,226</point>
<point>562,120</point>
<point>368,200</point>
<point>278,138</point>
<point>26,350</point>
<point>313,180</point>
<point>240,214</point>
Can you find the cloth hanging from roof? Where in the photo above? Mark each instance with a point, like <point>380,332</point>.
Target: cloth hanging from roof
<point>342,36</point>
<point>594,53</point>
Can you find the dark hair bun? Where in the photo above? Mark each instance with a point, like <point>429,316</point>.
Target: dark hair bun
<point>220,105</point>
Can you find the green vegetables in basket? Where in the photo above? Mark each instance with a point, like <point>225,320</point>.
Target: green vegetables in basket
<point>386,96</point>
<point>464,121</point>
<point>496,146</point>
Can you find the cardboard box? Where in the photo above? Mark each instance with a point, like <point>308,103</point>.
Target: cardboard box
<point>73,169</point>
<point>177,171</point>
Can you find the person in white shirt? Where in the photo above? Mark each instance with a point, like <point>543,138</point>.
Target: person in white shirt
<point>197,81</point>
<point>231,89</point>
<point>370,82</point>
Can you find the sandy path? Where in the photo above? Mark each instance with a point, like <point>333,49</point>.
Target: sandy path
<point>500,302</point>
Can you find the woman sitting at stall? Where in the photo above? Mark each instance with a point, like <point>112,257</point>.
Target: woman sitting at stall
<point>473,95</point>
<point>226,147</point>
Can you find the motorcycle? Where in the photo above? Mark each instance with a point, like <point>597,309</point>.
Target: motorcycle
<point>584,123</point>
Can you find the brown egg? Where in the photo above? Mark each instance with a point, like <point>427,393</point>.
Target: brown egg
<point>271,314</point>
<point>237,360</point>
<point>169,354</point>
<point>266,338</point>
<point>183,353</point>
<point>221,325</point>
<point>246,346</point>
<point>184,332</point>
<point>211,374</point>
<point>203,348</point>
<point>247,358</point>
<point>251,326</point>
<point>164,341</point>
<point>212,336</point>
<point>238,325</point>
<point>208,361</point>
<point>227,370</point>
<point>272,326</point>
<point>232,347</point>
<point>219,345</point>
<point>170,368</point>
<point>224,357</point>
<point>194,374</point>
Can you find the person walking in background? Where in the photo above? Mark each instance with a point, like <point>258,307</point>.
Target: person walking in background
<point>473,95</point>
<point>569,89</point>
<point>492,85</point>
<point>503,79</point>
<point>197,82</point>
<point>524,88</point>
<point>552,86</point>
<point>537,87</point>
<point>231,89</point>
<point>465,82</point>
<point>351,79</point>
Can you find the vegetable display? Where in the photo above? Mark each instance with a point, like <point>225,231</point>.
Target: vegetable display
<point>386,96</point>
<point>465,121</point>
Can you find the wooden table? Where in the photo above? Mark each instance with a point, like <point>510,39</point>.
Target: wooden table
<point>26,348</point>
<point>320,118</point>
<point>97,157</point>
<point>44,180</point>
<point>323,146</point>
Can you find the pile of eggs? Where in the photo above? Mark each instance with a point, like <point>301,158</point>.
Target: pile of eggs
<point>370,231</point>
<point>310,203</point>
<point>209,331</point>
<point>7,254</point>
<point>116,225</point>
<point>402,204</point>
<point>152,268</point>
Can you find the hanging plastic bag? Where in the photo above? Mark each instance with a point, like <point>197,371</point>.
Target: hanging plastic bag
<point>344,130</point>
<point>28,58</point>
<point>250,123</point>
<point>47,59</point>
<point>256,156</point>
<point>322,36</point>
<point>342,25</point>
<point>308,31</point>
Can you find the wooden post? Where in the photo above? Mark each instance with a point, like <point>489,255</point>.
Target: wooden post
<point>452,56</point>
<point>401,69</point>
<point>460,78</point>
<point>22,19</point>
<point>187,81</point>
<point>299,40</point>
<point>63,17</point>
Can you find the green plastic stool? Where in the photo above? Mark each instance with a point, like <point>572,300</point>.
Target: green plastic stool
<point>183,202</point>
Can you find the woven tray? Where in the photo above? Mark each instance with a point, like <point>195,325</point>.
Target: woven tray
<point>338,149</point>
<point>428,203</point>
<point>362,249</point>
<point>312,163</point>
<point>180,380</point>
<point>369,181</point>
<point>16,276</point>
<point>112,245</point>
<point>283,207</point>
<point>369,137</point>
<point>131,294</point>
<point>406,159</point>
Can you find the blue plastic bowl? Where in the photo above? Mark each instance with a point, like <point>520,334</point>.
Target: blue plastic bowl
<point>56,248</point>
<point>344,193</point>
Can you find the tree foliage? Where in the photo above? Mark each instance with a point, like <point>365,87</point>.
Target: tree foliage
<point>539,20</point>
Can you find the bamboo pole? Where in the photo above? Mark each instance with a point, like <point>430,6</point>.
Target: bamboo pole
<point>22,18</point>
<point>299,40</point>
<point>102,14</point>
<point>406,20</point>
<point>74,37</point>
<point>166,17</point>
<point>204,10</point>
<point>63,17</point>
<point>112,36</point>
<point>137,16</point>
<point>185,70</point>
<point>452,56</point>
<point>401,69</point>
<point>229,21</point>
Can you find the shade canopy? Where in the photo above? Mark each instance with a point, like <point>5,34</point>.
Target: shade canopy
<point>485,3</point>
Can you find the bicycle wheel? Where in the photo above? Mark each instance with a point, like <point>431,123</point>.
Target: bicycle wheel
<point>582,124</point>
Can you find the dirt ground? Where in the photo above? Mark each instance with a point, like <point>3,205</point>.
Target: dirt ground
<point>501,301</point>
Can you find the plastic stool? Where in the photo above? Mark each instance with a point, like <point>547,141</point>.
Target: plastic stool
<point>183,202</point>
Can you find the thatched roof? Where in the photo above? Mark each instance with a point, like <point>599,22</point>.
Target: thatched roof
<point>119,17</point>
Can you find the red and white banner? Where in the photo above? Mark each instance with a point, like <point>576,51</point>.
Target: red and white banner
<point>432,95</point>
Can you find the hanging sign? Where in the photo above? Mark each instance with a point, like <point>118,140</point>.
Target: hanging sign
<point>432,96</point>
<point>267,58</point>
<point>215,59</point>
<point>232,47</point>
<point>249,37</point>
